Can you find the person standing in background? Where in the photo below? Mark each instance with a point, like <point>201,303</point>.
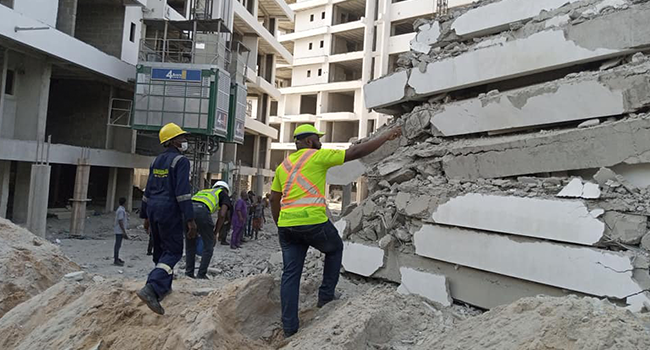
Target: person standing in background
<point>258,216</point>
<point>121,223</point>
<point>239,221</point>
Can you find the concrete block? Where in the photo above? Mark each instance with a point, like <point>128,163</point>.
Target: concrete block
<point>341,226</point>
<point>625,228</point>
<point>645,242</point>
<point>426,36</point>
<point>577,189</point>
<point>346,174</point>
<point>587,96</point>
<point>572,190</point>
<point>626,141</point>
<point>362,259</point>
<point>475,287</point>
<point>428,285</point>
<point>557,220</point>
<point>499,15</point>
<point>386,90</point>
<point>587,270</point>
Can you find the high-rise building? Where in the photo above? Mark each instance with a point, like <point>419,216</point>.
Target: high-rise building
<point>338,46</point>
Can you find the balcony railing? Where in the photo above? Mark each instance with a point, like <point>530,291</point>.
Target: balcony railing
<point>191,51</point>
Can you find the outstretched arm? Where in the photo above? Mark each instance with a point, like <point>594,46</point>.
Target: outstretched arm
<point>363,149</point>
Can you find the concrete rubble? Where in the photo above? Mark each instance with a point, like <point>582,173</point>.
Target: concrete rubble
<point>522,163</point>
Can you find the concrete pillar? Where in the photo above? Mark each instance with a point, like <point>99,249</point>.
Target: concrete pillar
<point>369,33</point>
<point>66,17</point>
<point>80,197</point>
<point>251,43</point>
<point>21,192</point>
<point>3,81</point>
<point>257,184</point>
<point>124,186</point>
<point>256,151</point>
<point>39,189</point>
<point>346,198</point>
<point>5,173</point>
<point>110,190</point>
<point>44,98</point>
<point>383,39</point>
<point>362,189</point>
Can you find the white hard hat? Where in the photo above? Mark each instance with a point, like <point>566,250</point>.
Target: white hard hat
<point>222,184</point>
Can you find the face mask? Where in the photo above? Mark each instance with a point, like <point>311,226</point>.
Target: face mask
<point>184,146</point>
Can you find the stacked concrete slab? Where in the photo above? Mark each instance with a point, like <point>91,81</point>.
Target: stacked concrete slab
<point>521,170</point>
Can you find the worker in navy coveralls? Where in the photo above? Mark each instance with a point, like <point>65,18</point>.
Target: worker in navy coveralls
<point>167,210</point>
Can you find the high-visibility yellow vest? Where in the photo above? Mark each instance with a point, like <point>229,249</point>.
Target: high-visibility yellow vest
<point>210,198</point>
<point>300,197</point>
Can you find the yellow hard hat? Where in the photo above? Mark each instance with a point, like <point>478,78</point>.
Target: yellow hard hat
<point>169,131</point>
<point>306,129</point>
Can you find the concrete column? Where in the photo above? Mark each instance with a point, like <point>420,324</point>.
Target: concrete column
<point>362,189</point>
<point>256,151</point>
<point>251,43</point>
<point>5,173</point>
<point>21,192</point>
<point>322,100</point>
<point>257,184</point>
<point>110,191</point>
<point>361,112</point>
<point>3,81</point>
<point>383,39</point>
<point>346,197</point>
<point>369,20</point>
<point>66,17</point>
<point>44,97</point>
<point>124,186</point>
<point>80,197</point>
<point>39,189</point>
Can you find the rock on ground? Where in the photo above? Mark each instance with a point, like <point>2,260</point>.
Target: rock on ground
<point>28,265</point>
<point>541,323</point>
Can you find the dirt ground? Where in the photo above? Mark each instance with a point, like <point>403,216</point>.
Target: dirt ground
<point>96,307</point>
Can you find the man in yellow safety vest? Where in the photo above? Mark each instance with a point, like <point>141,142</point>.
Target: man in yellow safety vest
<point>299,209</point>
<point>205,203</point>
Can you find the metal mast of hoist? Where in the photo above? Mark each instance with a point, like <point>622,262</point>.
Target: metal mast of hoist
<point>184,77</point>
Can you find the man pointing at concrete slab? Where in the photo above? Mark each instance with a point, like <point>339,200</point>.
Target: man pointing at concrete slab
<point>299,209</point>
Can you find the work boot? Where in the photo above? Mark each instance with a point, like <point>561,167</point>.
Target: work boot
<point>118,263</point>
<point>148,295</point>
<point>202,277</point>
<point>190,275</point>
<point>322,303</point>
<point>224,243</point>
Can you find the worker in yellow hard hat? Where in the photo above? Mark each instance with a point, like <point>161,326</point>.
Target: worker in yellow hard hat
<point>167,211</point>
<point>299,209</point>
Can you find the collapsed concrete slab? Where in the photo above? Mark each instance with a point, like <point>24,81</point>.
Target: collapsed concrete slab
<point>589,95</point>
<point>428,285</point>
<point>626,141</point>
<point>475,287</point>
<point>625,228</point>
<point>346,174</point>
<point>587,270</point>
<point>362,259</point>
<point>511,56</point>
<point>498,16</point>
<point>563,221</point>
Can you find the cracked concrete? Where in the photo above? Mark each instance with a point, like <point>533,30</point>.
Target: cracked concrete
<point>531,49</point>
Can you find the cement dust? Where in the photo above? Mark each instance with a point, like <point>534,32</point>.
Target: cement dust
<point>28,265</point>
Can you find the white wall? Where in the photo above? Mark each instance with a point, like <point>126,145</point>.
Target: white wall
<point>292,104</point>
<point>41,10</point>
<point>132,14</point>
<point>299,75</point>
<point>301,47</point>
<point>303,19</point>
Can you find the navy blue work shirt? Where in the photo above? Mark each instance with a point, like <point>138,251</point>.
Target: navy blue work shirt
<point>169,183</point>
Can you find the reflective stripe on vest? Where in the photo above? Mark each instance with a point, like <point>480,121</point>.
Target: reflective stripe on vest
<point>311,196</point>
<point>210,198</point>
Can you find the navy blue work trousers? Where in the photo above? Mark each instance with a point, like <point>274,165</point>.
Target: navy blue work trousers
<point>166,223</point>
<point>295,241</point>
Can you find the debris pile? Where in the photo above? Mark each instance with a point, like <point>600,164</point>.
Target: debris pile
<point>28,265</point>
<point>524,164</point>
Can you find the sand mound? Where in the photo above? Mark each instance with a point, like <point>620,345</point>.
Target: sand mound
<point>244,315</point>
<point>80,315</point>
<point>543,323</point>
<point>28,265</point>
